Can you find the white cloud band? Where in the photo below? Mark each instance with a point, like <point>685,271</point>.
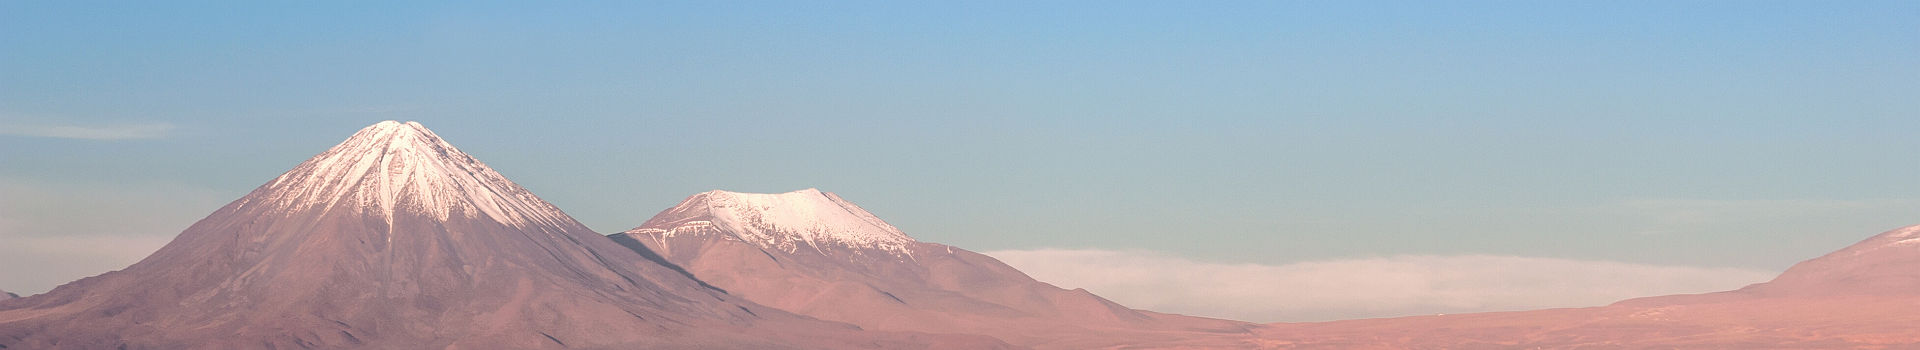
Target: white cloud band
<point>1362,288</point>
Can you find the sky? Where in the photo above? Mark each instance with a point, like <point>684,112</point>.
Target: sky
<point>1682,146</point>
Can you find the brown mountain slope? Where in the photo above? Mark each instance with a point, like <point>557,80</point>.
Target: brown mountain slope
<point>396,240</point>
<point>816,254</point>
<point>1863,296</point>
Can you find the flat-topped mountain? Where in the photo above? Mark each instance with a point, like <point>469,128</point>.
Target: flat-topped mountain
<point>394,239</point>
<point>787,222</point>
<point>817,254</point>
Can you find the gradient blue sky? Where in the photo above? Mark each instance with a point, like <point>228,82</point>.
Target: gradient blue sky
<point>1742,134</point>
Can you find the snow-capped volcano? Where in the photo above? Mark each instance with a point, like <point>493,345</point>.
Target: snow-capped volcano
<point>788,222</point>
<point>393,166</point>
<point>817,254</point>
<point>394,239</point>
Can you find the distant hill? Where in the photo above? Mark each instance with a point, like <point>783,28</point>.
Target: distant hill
<point>1864,296</point>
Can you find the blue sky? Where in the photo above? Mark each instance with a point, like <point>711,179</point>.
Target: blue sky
<point>1736,134</point>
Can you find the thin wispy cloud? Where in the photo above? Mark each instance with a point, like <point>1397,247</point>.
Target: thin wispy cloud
<point>1362,288</point>
<point>125,131</point>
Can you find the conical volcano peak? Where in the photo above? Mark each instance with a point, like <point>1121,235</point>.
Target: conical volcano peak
<point>784,221</point>
<point>393,167</point>
<point>393,134</point>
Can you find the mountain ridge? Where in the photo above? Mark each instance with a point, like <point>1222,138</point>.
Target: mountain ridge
<point>395,239</point>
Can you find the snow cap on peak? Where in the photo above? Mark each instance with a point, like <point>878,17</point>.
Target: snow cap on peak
<point>394,132</point>
<point>395,125</point>
<point>393,166</point>
<point>783,221</point>
<point>805,194</point>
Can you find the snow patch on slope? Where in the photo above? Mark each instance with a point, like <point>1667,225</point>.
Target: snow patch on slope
<point>784,221</point>
<point>1905,235</point>
<point>1900,237</point>
<point>393,166</point>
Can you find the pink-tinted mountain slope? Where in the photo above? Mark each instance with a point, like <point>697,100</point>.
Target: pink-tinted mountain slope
<point>816,254</point>
<point>1866,296</point>
<point>394,239</point>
